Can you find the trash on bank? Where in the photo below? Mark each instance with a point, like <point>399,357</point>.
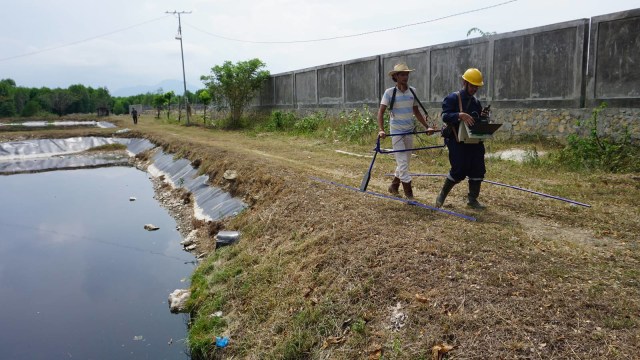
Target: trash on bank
<point>150,227</point>
<point>224,238</point>
<point>178,301</point>
<point>222,341</point>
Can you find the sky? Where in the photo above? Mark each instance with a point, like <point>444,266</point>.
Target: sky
<point>120,44</point>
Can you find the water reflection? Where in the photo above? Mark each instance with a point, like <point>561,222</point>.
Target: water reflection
<point>79,276</point>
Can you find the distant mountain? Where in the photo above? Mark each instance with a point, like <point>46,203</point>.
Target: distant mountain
<point>176,86</point>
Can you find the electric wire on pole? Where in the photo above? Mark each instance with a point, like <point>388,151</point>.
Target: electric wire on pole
<point>184,78</point>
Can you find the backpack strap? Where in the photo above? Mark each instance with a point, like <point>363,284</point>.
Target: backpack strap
<point>393,98</point>
<point>419,103</point>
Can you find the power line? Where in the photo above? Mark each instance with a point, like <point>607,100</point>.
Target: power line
<point>81,41</point>
<point>353,35</point>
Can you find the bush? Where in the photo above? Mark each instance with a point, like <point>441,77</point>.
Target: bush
<point>359,125</point>
<point>280,121</point>
<point>595,153</point>
<point>310,123</point>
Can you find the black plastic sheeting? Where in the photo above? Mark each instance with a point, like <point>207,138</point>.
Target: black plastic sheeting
<point>211,203</point>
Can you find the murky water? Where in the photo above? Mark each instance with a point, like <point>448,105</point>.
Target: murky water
<point>79,276</point>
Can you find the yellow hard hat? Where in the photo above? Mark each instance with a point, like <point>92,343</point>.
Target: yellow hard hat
<point>473,76</point>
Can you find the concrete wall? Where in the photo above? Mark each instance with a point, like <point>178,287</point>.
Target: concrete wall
<point>569,65</point>
<point>614,60</point>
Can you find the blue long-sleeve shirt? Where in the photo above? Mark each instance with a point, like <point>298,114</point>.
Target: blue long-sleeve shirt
<point>450,108</point>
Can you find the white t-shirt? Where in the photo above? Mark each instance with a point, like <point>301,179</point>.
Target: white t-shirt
<point>401,120</point>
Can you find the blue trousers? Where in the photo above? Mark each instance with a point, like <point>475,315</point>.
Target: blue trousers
<point>467,160</point>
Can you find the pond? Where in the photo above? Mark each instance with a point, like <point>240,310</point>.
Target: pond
<point>80,278</point>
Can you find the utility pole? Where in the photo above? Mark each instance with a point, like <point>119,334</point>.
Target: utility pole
<point>184,78</point>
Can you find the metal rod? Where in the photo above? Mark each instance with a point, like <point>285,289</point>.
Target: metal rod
<point>404,150</point>
<point>367,175</point>
<point>409,202</point>
<point>415,132</point>
<point>516,188</point>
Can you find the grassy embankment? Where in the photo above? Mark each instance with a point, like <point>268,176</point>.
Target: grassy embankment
<point>325,272</point>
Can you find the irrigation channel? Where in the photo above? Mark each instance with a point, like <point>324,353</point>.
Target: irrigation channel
<point>80,277</point>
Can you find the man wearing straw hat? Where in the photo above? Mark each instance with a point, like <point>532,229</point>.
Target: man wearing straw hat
<point>403,105</point>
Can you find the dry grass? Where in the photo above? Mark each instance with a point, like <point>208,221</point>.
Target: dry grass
<point>320,270</point>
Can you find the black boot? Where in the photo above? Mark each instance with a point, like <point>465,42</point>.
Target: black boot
<point>448,185</point>
<point>474,192</point>
<point>408,191</point>
<point>395,185</point>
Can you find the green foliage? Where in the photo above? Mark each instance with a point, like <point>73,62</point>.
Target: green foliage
<point>309,124</point>
<point>236,84</point>
<point>280,121</point>
<point>158,103</point>
<point>359,125</point>
<point>31,108</point>
<point>119,107</point>
<point>359,326</point>
<point>205,98</point>
<point>593,152</point>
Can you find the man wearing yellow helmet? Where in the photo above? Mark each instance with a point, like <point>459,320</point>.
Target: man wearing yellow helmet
<point>467,160</point>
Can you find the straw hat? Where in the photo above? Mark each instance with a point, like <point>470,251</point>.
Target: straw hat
<point>402,67</point>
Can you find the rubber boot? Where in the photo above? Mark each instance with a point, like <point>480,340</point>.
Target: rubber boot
<point>474,192</point>
<point>448,185</point>
<point>408,191</point>
<point>395,185</point>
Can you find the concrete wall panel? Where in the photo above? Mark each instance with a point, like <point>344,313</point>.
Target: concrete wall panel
<point>361,81</point>
<point>306,88</point>
<point>284,90</point>
<point>330,85</point>
<point>552,66</point>
<point>512,68</point>
<point>618,52</point>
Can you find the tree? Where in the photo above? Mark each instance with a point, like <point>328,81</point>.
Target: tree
<point>237,84</point>
<point>158,102</point>
<point>61,99</point>
<point>7,102</point>
<point>205,99</point>
<point>100,98</point>
<point>81,96</point>
<point>167,101</point>
<point>120,107</point>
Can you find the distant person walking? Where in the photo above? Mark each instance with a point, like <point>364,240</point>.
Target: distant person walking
<point>467,160</point>
<point>134,115</point>
<point>403,106</point>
